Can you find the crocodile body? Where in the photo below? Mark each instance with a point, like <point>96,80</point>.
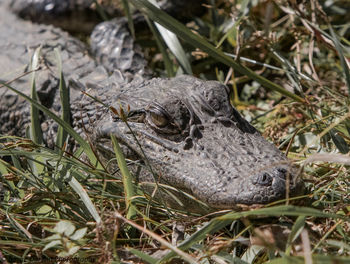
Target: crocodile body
<point>190,135</point>
<point>18,41</point>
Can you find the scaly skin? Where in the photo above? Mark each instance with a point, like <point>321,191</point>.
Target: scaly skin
<point>192,137</point>
<point>18,41</point>
<point>114,48</point>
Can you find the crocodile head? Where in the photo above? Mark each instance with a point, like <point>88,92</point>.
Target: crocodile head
<point>196,141</point>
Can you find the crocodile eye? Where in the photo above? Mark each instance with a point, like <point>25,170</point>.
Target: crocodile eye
<point>169,118</point>
<point>158,118</point>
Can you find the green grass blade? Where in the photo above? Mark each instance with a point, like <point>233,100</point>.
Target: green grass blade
<point>288,210</point>
<point>339,141</point>
<point>129,188</point>
<point>36,134</point>
<point>16,162</point>
<point>129,17</point>
<point>143,256</point>
<point>64,96</point>
<point>100,11</point>
<point>342,57</point>
<point>175,47</point>
<point>35,127</point>
<point>230,32</point>
<point>173,44</point>
<point>296,230</point>
<point>198,42</point>
<point>3,168</point>
<point>76,186</point>
<point>162,47</point>
<point>252,253</point>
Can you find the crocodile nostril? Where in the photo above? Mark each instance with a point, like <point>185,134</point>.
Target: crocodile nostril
<point>264,179</point>
<point>282,172</point>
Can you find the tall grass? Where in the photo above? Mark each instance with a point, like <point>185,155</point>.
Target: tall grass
<point>57,204</point>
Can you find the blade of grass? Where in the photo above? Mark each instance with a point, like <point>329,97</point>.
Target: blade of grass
<point>296,230</point>
<point>339,141</point>
<point>198,42</point>
<point>162,47</point>
<point>129,188</point>
<point>341,57</point>
<point>252,252</point>
<point>129,17</point>
<point>64,96</point>
<point>35,127</point>
<point>100,11</point>
<point>76,186</point>
<point>143,256</point>
<point>231,31</point>
<point>304,76</point>
<point>173,44</point>
<point>288,210</point>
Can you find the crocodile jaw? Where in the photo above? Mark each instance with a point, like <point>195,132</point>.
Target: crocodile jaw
<point>222,169</point>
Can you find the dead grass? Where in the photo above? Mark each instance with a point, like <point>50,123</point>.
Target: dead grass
<point>66,208</point>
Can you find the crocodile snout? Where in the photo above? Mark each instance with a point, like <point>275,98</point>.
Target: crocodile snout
<point>274,184</point>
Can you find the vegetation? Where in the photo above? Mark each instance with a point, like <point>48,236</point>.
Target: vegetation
<point>288,66</point>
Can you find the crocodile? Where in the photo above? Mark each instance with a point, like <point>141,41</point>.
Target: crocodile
<point>190,135</point>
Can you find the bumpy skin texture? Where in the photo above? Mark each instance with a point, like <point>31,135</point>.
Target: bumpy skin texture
<point>114,48</point>
<point>192,137</point>
<point>18,41</point>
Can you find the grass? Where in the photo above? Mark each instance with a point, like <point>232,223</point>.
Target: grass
<point>58,205</point>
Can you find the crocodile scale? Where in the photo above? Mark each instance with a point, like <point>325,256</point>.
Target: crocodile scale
<point>191,136</point>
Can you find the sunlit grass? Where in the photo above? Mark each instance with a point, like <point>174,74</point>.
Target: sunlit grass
<point>64,204</point>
